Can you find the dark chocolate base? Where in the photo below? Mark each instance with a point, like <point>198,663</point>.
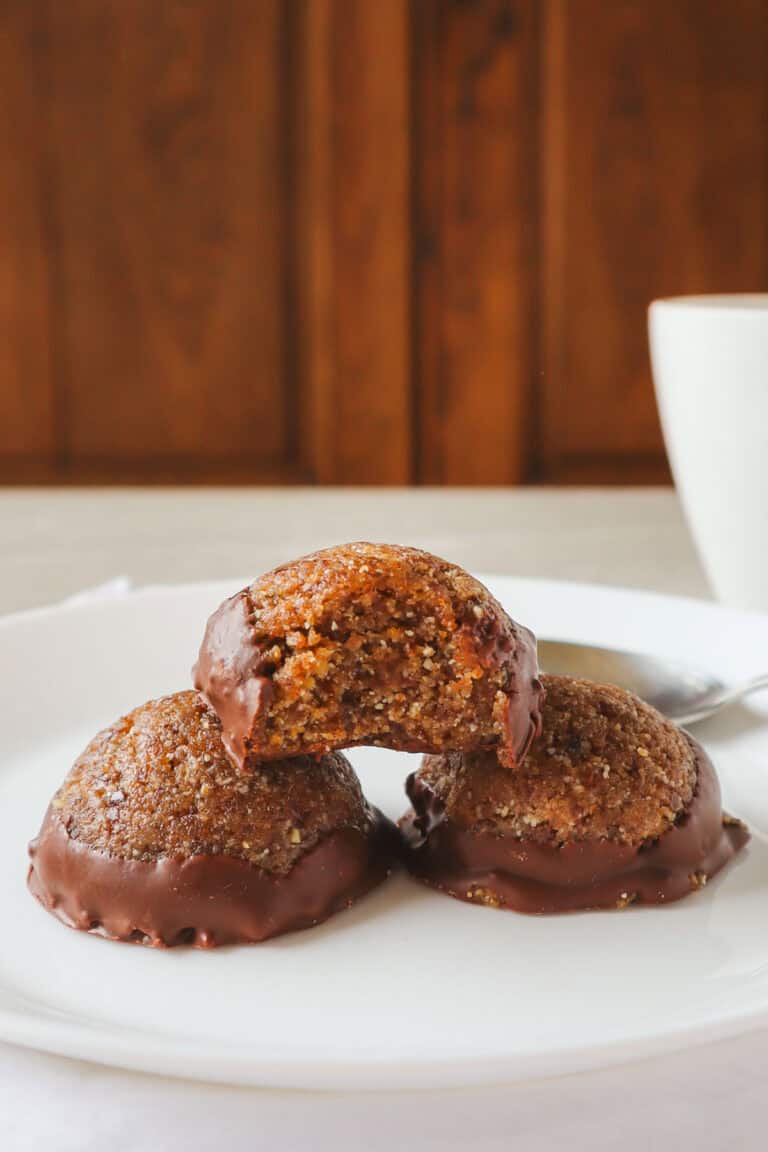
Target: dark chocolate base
<point>206,900</point>
<point>480,866</point>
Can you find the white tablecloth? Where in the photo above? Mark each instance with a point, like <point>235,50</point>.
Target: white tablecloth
<point>710,1099</point>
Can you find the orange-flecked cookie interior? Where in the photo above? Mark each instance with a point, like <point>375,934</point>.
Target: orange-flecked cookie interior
<point>369,644</point>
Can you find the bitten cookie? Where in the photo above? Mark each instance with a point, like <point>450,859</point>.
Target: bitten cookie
<point>613,805</point>
<point>155,837</point>
<point>369,644</point>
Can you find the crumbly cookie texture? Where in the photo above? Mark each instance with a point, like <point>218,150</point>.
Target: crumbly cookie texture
<point>158,784</point>
<point>368,644</point>
<point>606,767</point>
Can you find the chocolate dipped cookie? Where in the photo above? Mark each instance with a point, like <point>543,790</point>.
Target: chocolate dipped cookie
<point>614,805</point>
<point>155,837</point>
<point>369,644</point>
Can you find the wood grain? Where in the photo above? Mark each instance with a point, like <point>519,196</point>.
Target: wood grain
<point>655,170</point>
<point>475,243</point>
<point>28,229</point>
<point>354,224</point>
<point>167,130</point>
<point>347,242</point>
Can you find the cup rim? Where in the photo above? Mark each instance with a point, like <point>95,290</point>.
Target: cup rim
<point>751,303</point>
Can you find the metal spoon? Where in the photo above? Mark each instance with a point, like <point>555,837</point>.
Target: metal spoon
<point>684,694</point>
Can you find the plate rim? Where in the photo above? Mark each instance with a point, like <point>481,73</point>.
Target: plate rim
<point>235,1065</point>
<point>159,587</point>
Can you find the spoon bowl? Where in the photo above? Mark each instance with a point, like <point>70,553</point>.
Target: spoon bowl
<point>682,693</point>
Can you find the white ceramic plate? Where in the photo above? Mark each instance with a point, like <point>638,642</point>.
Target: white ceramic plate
<point>409,988</point>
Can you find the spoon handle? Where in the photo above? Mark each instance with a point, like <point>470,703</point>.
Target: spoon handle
<point>749,686</point>
<point>722,699</point>
<point>736,692</point>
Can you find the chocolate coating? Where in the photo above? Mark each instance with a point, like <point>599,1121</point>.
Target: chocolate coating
<point>204,900</point>
<point>613,805</point>
<point>155,836</point>
<point>524,876</point>
<point>369,644</point>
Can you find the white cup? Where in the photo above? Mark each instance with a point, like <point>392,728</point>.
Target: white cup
<point>710,367</point>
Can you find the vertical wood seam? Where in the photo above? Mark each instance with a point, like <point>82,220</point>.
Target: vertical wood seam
<point>288,223</point>
<point>59,368</point>
<point>552,168</point>
<point>415,334</point>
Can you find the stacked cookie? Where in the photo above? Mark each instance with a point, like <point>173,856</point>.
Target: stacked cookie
<point>230,814</point>
<point>614,805</point>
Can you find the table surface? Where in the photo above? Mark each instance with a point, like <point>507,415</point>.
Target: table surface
<point>58,542</point>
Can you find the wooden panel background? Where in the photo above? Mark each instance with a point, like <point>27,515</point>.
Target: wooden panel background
<point>655,178</point>
<point>340,241</point>
<point>474,238</point>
